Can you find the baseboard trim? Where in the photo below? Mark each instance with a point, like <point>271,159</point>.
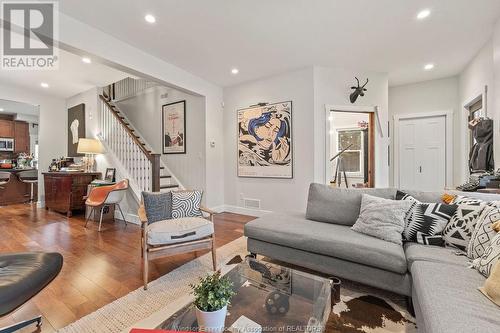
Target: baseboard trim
<point>131,218</point>
<point>240,210</point>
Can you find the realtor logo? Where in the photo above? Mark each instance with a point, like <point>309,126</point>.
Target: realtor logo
<point>28,35</point>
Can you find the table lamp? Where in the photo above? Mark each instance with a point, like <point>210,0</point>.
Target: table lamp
<point>89,147</point>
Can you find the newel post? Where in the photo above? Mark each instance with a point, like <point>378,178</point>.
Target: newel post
<point>155,179</point>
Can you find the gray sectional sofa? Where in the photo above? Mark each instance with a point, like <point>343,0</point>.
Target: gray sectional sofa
<point>441,286</point>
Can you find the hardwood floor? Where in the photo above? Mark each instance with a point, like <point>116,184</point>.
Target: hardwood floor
<point>98,267</point>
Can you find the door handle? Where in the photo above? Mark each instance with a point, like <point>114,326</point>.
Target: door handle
<point>420,169</point>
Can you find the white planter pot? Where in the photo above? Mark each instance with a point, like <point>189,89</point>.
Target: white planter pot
<point>211,321</point>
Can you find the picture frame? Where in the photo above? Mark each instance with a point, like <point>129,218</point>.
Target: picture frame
<point>265,141</point>
<point>110,175</point>
<point>76,128</point>
<point>174,128</point>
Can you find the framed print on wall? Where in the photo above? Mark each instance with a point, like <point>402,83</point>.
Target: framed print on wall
<point>265,141</point>
<point>76,128</point>
<point>174,128</point>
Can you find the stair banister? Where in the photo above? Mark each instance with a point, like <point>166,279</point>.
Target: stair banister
<point>142,165</point>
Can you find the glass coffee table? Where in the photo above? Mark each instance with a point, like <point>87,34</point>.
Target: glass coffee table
<point>279,299</point>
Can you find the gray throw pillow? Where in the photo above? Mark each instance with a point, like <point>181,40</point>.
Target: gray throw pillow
<point>382,218</point>
<point>158,206</point>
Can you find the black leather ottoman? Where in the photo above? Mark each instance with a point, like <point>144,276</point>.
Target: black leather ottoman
<point>22,276</point>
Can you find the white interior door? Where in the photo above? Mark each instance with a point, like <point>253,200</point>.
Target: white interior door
<point>422,153</point>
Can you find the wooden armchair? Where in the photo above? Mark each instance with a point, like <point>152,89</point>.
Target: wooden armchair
<point>152,249</point>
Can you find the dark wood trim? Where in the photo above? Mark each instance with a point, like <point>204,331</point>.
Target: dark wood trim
<point>156,172</point>
<point>129,132</point>
<point>371,151</point>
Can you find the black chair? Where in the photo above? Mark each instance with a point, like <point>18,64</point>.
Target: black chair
<point>22,276</point>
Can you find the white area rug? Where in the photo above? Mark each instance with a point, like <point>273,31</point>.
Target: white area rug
<point>140,303</point>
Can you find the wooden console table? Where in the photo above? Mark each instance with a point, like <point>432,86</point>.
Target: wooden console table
<point>65,191</point>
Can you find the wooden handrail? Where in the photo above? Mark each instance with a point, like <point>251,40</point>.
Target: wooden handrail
<point>127,129</point>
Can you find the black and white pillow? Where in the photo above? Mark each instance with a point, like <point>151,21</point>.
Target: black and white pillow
<point>186,204</point>
<point>409,214</point>
<point>462,200</point>
<point>490,257</point>
<point>458,231</point>
<point>429,219</point>
<point>436,240</point>
<point>483,232</point>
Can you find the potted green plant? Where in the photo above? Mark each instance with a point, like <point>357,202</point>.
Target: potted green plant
<point>212,295</point>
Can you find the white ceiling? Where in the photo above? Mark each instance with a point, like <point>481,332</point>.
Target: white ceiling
<point>13,107</point>
<point>72,77</point>
<point>263,37</point>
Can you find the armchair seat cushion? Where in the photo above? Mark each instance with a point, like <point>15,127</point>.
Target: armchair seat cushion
<point>179,230</point>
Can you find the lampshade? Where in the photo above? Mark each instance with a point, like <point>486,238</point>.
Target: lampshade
<point>89,146</point>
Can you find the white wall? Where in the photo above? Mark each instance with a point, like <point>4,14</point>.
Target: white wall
<point>76,36</point>
<point>332,87</point>
<point>51,136</point>
<point>310,90</point>
<point>275,194</point>
<point>145,113</point>
<point>422,97</point>
<point>478,73</point>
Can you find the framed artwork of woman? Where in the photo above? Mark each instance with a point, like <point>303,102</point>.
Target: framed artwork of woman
<point>174,128</point>
<point>265,141</point>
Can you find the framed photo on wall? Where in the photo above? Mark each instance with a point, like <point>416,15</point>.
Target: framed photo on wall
<point>174,128</point>
<point>76,128</point>
<point>265,141</point>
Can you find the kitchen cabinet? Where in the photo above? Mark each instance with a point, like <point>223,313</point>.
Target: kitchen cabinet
<point>21,137</point>
<point>6,128</point>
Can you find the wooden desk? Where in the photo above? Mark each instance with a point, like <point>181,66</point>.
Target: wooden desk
<point>65,191</point>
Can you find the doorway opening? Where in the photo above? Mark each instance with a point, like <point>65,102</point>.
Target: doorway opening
<point>351,149</point>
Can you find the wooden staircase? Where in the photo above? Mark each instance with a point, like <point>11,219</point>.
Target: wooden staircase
<point>144,168</point>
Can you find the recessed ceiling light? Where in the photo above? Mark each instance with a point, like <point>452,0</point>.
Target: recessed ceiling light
<point>150,18</point>
<point>235,71</point>
<point>428,67</point>
<point>87,60</point>
<point>44,85</point>
<point>1,109</point>
<point>423,14</point>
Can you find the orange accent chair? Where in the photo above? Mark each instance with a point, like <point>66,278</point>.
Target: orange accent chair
<point>105,196</point>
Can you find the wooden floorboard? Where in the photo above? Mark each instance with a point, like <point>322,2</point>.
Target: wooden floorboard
<point>98,268</point>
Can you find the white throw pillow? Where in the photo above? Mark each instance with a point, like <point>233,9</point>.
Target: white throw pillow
<point>483,233</point>
<point>490,257</point>
<point>382,218</point>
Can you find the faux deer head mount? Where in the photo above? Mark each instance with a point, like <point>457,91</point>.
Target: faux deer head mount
<point>358,91</point>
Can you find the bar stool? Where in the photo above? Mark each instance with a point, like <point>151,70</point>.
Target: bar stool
<point>29,177</point>
<point>4,179</point>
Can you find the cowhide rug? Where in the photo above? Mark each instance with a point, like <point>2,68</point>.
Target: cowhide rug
<point>364,309</point>
<point>368,313</point>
